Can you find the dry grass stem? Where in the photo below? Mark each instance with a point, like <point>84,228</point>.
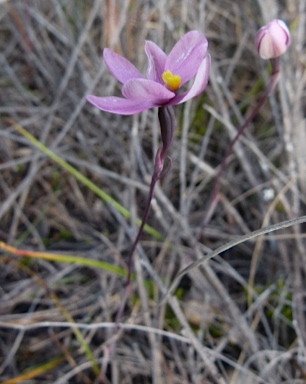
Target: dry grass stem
<point>228,308</point>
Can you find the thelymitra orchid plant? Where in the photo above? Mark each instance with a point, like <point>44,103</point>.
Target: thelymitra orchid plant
<point>271,41</point>
<point>161,88</point>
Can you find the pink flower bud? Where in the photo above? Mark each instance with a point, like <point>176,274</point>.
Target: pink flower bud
<point>272,40</point>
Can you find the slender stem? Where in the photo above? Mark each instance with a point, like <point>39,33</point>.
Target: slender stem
<point>214,194</point>
<point>140,229</point>
<point>154,180</point>
<point>167,125</point>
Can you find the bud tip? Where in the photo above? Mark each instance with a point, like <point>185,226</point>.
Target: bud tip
<point>272,40</point>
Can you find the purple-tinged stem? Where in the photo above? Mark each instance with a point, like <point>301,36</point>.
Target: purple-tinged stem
<point>154,180</point>
<point>214,194</point>
<point>167,125</point>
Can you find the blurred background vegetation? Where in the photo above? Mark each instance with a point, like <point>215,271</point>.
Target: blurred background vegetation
<point>74,180</point>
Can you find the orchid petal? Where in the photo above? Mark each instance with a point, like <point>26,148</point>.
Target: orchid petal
<point>187,55</point>
<point>148,90</point>
<point>157,59</point>
<point>200,82</point>
<point>119,105</point>
<point>121,68</point>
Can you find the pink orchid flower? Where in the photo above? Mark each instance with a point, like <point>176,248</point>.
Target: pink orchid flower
<point>272,40</point>
<point>165,76</point>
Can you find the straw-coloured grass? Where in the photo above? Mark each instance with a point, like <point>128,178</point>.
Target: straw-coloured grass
<point>73,186</point>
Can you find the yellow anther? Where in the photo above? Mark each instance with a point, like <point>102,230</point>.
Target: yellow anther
<point>172,81</point>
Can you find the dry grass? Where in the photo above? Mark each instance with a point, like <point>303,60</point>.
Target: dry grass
<point>217,327</point>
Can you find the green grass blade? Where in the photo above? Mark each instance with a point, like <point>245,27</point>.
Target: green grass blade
<point>84,180</point>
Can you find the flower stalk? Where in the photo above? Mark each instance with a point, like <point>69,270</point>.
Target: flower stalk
<point>167,125</point>
<point>271,41</point>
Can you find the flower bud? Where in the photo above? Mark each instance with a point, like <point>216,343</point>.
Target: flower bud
<point>167,126</point>
<point>272,40</point>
